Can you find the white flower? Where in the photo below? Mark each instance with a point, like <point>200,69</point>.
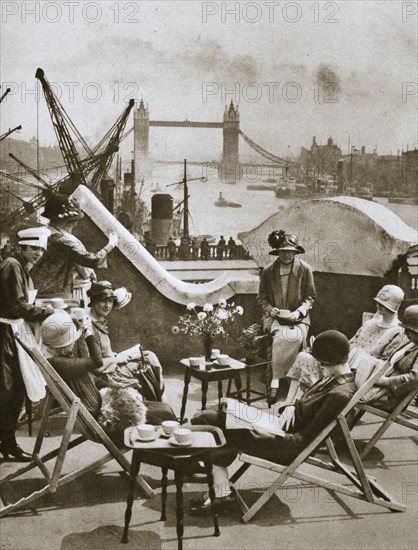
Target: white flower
<point>239,310</point>
<point>201,315</point>
<point>190,306</point>
<point>175,329</point>
<point>222,303</point>
<point>208,307</point>
<point>222,315</point>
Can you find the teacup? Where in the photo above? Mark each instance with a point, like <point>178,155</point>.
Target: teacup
<point>146,431</point>
<point>223,359</point>
<point>194,361</point>
<point>215,353</point>
<point>183,435</point>
<point>169,426</point>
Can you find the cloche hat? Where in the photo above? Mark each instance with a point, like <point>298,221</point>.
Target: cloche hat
<point>61,207</point>
<point>100,291</point>
<point>390,297</point>
<point>331,347</point>
<point>58,330</point>
<point>280,240</point>
<point>410,318</point>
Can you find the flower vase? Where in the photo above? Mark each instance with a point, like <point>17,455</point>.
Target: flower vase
<point>207,344</point>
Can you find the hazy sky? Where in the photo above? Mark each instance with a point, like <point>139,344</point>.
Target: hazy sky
<point>297,69</point>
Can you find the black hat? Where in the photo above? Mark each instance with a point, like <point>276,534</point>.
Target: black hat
<point>280,240</point>
<point>61,207</point>
<point>100,291</point>
<point>410,318</point>
<point>331,347</point>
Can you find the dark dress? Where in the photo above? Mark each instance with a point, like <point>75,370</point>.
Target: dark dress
<point>313,412</point>
<point>15,283</point>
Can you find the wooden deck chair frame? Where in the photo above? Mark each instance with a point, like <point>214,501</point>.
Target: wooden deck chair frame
<point>365,488</point>
<point>76,413</point>
<point>400,415</point>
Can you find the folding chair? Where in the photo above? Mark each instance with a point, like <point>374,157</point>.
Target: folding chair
<point>365,488</point>
<point>77,416</point>
<point>402,414</point>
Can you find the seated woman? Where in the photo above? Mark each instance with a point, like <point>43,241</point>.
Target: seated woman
<point>402,377</point>
<point>62,338</point>
<point>131,368</point>
<point>376,339</point>
<point>306,418</point>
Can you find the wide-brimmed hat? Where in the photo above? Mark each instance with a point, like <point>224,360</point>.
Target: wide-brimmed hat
<point>58,330</point>
<point>101,291</point>
<point>390,297</point>
<point>410,318</point>
<point>280,240</point>
<point>34,236</point>
<point>331,347</point>
<point>61,207</point>
<point>123,297</point>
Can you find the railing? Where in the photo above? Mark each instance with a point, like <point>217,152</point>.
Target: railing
<point>161,253</point>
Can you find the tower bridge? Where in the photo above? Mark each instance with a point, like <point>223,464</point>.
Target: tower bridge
<point>230,168</point>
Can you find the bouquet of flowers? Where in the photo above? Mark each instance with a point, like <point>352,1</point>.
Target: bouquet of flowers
<point>254,340</point>
<point>211,321</point>
<point>252,336</point>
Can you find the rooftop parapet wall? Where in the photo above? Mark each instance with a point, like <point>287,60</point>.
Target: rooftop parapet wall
<point>224,287</point>
<point>341,235</point>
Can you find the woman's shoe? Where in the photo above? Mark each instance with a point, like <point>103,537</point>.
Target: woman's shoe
<point>223,506</point>
<point>14,451</point>
<point>274,395</point>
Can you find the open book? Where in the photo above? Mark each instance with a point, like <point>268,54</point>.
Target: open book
<point>241,416</point>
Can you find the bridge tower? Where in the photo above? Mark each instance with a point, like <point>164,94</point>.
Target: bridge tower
<point>141,141</point>
<point>230,160</point>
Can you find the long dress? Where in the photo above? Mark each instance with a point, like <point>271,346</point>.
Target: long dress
<point>290,287</point>
<point>15,285</point>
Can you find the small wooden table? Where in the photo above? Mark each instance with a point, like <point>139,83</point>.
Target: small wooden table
<point>212,373</point>
<point>165,455</point>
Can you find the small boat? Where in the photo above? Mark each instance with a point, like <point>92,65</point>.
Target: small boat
<point>223,202</point>
<point>261,187</point>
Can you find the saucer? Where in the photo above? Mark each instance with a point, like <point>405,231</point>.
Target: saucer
<point>147,439</point>
<point>173,441</point>
<point>162,433</point>
<point>223,364</point>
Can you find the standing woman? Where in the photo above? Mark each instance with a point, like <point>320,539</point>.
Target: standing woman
<point>66,270</point>
<point>286,295</point>
<point>16,302</point>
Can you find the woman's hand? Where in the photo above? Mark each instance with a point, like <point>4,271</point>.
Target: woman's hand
<point>258,433</point>
<point>113,239</point>
<point>274,312</point>
<point>107,368</point>
<point>384,381</point>
<point>289,415</point>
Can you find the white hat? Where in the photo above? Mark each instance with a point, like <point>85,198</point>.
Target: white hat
<point>34,236</point>
<point>123,297</point>
<point>58,330</point>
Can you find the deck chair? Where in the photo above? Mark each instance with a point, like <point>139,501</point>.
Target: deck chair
<point>364,487</point>
<point>77,417</point>
<point>402,414</point>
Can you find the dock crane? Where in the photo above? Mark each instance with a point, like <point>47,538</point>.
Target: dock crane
<point>98,160</point>
<point>59,121</point>
<point>4,136</point>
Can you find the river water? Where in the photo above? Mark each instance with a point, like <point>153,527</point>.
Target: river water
<point>206,218</point>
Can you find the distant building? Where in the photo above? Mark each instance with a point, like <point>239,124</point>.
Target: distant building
<point>409,180</point>
<point>320,160</point>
